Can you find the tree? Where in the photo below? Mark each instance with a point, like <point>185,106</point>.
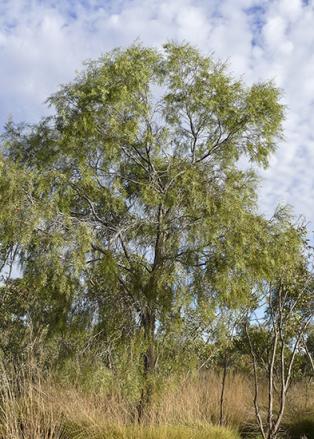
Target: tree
<point>275,331</point>
<point>129,203</point>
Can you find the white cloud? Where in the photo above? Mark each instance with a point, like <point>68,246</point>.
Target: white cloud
<point>42,43</point>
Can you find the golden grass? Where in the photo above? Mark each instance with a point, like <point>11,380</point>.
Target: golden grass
<point>25,410</point>
<point>37,407</point>
<point>197,399</point>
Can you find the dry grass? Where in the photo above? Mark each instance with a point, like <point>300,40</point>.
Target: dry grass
<point>198,400</point>
<point>25,411</point>
<point>33,407</point>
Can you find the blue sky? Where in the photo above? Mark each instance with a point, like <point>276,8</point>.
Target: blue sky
<point>43,43</point>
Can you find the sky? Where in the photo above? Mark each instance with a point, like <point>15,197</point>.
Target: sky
<point>43,43</point>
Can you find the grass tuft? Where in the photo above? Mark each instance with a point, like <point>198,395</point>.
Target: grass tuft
<point>155,432</point>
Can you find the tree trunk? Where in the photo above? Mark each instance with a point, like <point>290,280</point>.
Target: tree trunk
<point>149,362</point>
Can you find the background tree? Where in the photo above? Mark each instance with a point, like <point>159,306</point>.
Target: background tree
<point>275,330</point>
